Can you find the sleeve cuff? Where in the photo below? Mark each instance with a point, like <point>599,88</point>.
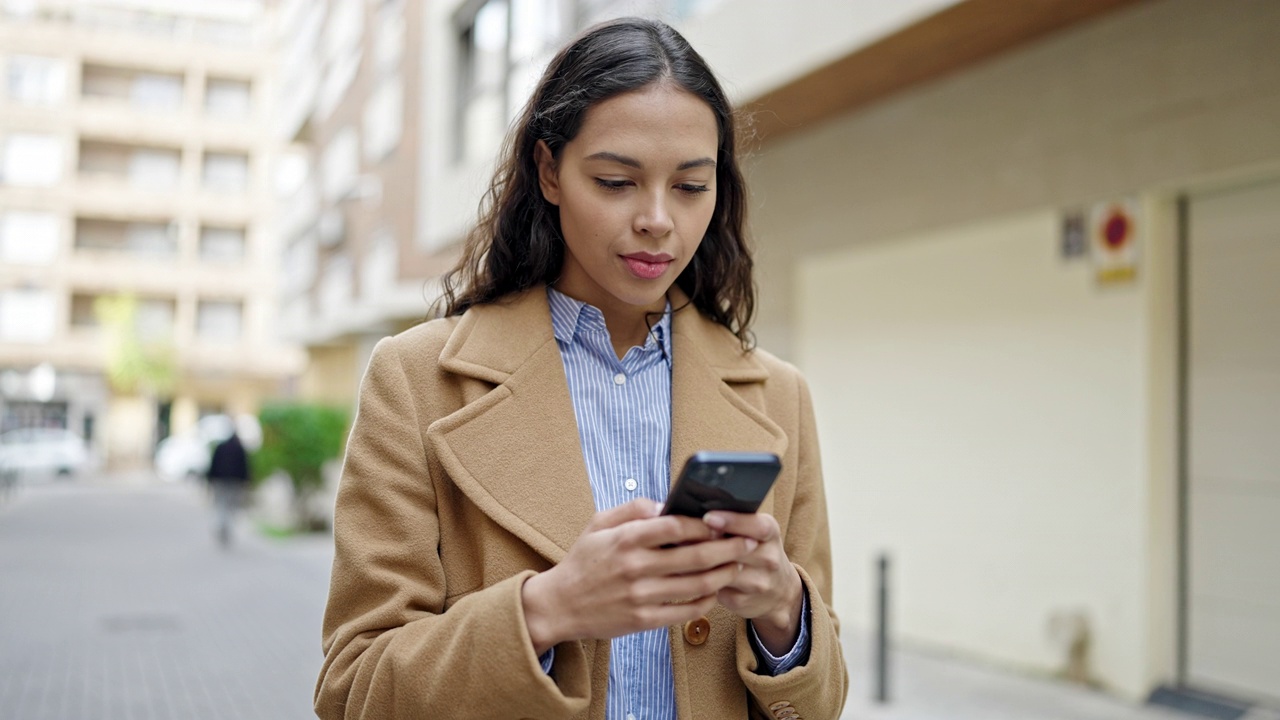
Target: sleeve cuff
<point>771,664</point>
<point>547,659</point>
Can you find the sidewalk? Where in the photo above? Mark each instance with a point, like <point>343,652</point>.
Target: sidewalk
<point>117,603</point>
<point>928,687</point>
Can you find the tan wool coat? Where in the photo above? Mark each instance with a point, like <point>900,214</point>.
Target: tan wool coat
<point>464,476</point>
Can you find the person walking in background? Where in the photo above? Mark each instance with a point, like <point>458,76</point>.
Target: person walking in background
<point>229,478</point>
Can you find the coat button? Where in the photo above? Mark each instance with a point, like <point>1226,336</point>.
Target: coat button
<point>697,631</point>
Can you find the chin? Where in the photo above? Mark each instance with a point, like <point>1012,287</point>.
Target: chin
<point>652,293</point>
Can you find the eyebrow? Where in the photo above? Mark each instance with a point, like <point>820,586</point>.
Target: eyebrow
<point>634,163</point>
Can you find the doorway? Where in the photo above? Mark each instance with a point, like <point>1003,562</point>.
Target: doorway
<point>1231,443</point>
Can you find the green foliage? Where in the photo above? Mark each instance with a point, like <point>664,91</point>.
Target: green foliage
<point>299,439</point>
<point>134,365</point>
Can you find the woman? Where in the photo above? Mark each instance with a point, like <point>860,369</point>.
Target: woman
<point>499,548</point>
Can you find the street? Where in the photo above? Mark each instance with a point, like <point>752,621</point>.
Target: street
<point>115,602</point>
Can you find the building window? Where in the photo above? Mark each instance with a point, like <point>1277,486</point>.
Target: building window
<point>341,45</point>
<point>378,266</point>
<point>227,99</point>
<point>389,48</point>
<point>143,90</point>
<point>154,168</point>
<point>144,168</point>
<point>154,321</point>
<point>27,315</point>
<point>221,244</point>
<point>29,238</point>
<point>152,91</point>
<point>335,286</point>
<point>219,320</point>
<point>226,172</point>
<point>32,160</point>
<point>504,44</point>
<point>36,80</point>
<point>144,238</point>
<point>298,269</point>
<point>83,314</point>
<point>384,119</point>
<point>340,164</point>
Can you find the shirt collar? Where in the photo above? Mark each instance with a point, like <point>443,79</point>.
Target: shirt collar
<point>571,317</point>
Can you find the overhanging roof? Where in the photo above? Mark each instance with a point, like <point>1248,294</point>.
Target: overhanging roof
<point>950,40</point>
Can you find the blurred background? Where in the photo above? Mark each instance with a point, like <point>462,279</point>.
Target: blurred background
<point>1027,253</point>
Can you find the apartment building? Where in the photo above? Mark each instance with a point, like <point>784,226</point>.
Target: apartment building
<point>135,161</point>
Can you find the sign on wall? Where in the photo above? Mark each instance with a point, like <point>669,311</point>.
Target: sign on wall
<point>1113,240</point>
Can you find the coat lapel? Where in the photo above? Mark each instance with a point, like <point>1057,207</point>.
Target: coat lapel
<point>707,413</point>
<point>515,452</point>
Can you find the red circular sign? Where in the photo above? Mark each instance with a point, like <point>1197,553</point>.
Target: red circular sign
<point>1115,232</point>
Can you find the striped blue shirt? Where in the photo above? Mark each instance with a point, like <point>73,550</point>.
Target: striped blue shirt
<point>623,408</point>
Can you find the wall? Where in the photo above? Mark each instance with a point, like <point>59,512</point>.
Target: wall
<point>987,413</point>
<point>332,375</point>
<point>981,405</point>
<point>1148,97</point>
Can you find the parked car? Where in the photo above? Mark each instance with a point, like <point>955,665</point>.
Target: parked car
<point>186,456</point>
<point>182,457</point>
<point>42,451</point>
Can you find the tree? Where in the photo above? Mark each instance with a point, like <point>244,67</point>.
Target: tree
<point>299,439</point>
<point>134,366</point>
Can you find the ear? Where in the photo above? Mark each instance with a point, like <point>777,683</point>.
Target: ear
<point>548,180</point>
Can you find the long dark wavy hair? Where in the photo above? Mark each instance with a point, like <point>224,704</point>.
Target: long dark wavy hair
<point>517,242</point>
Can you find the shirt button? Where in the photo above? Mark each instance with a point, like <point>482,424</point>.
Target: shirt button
<point>630,484</point>
<point>619,379</point>
<point>630,716</point>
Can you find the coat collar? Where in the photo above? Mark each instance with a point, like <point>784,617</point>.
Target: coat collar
<point>516,452</point>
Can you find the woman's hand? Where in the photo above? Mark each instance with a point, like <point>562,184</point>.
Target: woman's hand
<point>768,591</point>
<point>621,577</point>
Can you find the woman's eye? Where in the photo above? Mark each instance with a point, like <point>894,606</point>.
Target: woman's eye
<point>692,189</point>
<point>612,185</point>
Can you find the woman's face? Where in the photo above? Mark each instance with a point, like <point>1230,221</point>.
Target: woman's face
<point>636,190</point>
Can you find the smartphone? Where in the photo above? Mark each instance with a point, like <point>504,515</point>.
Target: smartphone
<point>734,481</point>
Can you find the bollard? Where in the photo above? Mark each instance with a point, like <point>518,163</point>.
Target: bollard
<point>882,630</point>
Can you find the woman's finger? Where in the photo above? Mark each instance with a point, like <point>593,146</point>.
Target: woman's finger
<point>761,527</point>
<point>638,509</point>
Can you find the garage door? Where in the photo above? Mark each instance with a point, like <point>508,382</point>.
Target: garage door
<point>1233,436</point>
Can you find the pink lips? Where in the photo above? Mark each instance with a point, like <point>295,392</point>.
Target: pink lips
<point>647,266</point>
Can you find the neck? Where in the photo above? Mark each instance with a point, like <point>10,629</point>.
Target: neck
<point>628,325</point>
<point>626,332</point>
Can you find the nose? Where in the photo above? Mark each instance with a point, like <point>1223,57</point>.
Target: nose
<point>653,218</point>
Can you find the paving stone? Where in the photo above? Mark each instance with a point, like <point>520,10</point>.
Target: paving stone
<point>116,602</point>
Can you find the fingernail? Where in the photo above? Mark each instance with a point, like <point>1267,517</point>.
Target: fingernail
<point>715,521</point>
<point>751,544</point>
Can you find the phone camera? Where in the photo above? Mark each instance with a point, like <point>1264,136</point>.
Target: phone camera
<point>718,477</point>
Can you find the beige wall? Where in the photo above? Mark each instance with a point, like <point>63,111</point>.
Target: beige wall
<point>1149,97</point>
<point>332,375</point>
<point>982,403</point>
<point>1000,423</point>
